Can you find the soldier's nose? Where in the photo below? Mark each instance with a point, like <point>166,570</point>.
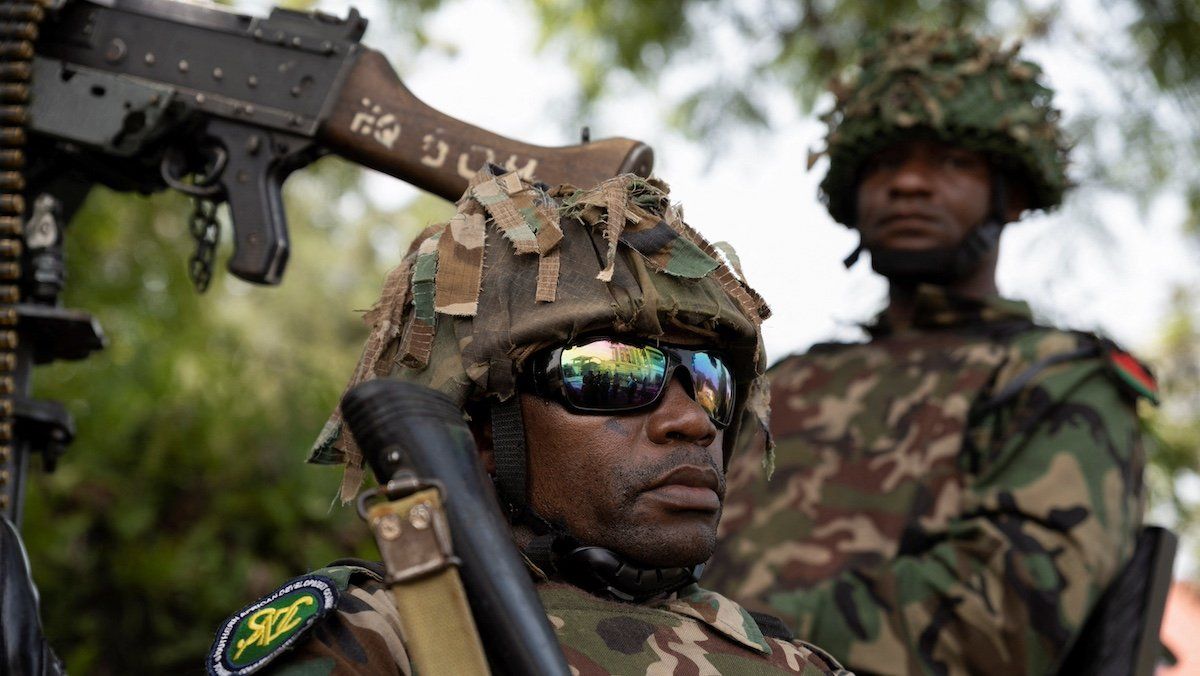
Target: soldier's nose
<point>679,417</point>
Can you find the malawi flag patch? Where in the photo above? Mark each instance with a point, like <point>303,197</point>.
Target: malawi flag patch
<point>264,629</point>
<point>1132,373</point>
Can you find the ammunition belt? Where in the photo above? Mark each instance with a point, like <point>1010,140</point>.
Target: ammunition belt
<point>19,21</point>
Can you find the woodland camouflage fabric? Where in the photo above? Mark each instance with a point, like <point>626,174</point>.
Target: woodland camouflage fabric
<point>953,86</point>
<point>913,527</point>
<point>522,266</point>
<point>692,632</point>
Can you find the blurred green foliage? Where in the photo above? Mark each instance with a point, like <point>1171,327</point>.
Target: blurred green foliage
<point>799,44</point>
<point>185,494</point>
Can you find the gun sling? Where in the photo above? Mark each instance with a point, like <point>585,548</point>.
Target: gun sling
<point>414,538</point>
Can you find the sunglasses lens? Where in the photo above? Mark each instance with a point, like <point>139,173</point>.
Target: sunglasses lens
<point>611,376</point>
<point>714,386</point>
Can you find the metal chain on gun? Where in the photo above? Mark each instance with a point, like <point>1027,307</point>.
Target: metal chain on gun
<point>206,231</point>
<point>19,21</point>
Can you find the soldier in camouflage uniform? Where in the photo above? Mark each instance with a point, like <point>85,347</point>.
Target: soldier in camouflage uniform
<point>953,495</point>
<point>522,284</point>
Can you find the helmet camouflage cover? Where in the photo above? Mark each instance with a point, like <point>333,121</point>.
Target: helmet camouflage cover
<point>521,267</point>
<point>953,86</point>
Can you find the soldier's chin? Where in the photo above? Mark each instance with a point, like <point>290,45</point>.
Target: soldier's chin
<point>677,548</point>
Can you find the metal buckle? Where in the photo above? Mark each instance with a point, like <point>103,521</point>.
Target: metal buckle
<point>415,543</point>
<point>402,484</point>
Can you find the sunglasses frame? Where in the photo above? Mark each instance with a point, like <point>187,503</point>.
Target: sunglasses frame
<point>546,380</point>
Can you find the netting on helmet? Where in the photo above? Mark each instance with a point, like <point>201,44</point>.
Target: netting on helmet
<point>952,86</point>
<point>521,267</point>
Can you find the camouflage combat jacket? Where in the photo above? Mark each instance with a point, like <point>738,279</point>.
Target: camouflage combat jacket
<point>691,632</point>
<point>949,499</point>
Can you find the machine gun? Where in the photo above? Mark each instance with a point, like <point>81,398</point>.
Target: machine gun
<point>143,95</point>
<point>144,92</point>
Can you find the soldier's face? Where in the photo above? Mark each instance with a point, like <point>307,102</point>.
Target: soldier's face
<point>647,485</point>
<point>922,194</point>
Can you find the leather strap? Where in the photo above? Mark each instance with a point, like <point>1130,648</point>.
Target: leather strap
<point>422,574</point>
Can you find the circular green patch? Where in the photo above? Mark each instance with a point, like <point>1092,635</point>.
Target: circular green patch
<point>264,629</point>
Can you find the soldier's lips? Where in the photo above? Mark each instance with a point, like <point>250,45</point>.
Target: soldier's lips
<point>907,230</point>
<point>686,498</point>
<point>909,223</point>
<point>687,488</point>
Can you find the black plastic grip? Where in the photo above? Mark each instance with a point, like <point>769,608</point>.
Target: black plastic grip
<point>434,442</point>
<point>259,161</point>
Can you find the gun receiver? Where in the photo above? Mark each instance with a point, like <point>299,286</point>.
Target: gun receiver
<point>145,92</point>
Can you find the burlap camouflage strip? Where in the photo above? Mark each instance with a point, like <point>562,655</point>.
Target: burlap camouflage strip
<point>460,265</point>
<point>505,210</point>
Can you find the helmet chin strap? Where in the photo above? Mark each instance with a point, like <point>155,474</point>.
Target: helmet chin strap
<point>941,265</point>
<point>600,570</point>
<point>554,549</point>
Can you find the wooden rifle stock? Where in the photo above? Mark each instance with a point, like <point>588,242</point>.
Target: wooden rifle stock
<point>377,122</point>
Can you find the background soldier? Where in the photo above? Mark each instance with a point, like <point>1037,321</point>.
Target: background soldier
<point>613,277</point>
<point>953,495</point>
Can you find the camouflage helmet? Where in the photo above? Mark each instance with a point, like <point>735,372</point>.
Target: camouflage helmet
<point>521,267</point>
<point>952,86</point>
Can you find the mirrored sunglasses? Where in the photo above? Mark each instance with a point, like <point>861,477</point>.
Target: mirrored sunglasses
<point>607,375</point>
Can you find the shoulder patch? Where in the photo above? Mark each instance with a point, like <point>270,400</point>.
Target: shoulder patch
<point>1132,373</point>
<point>262,630</point>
